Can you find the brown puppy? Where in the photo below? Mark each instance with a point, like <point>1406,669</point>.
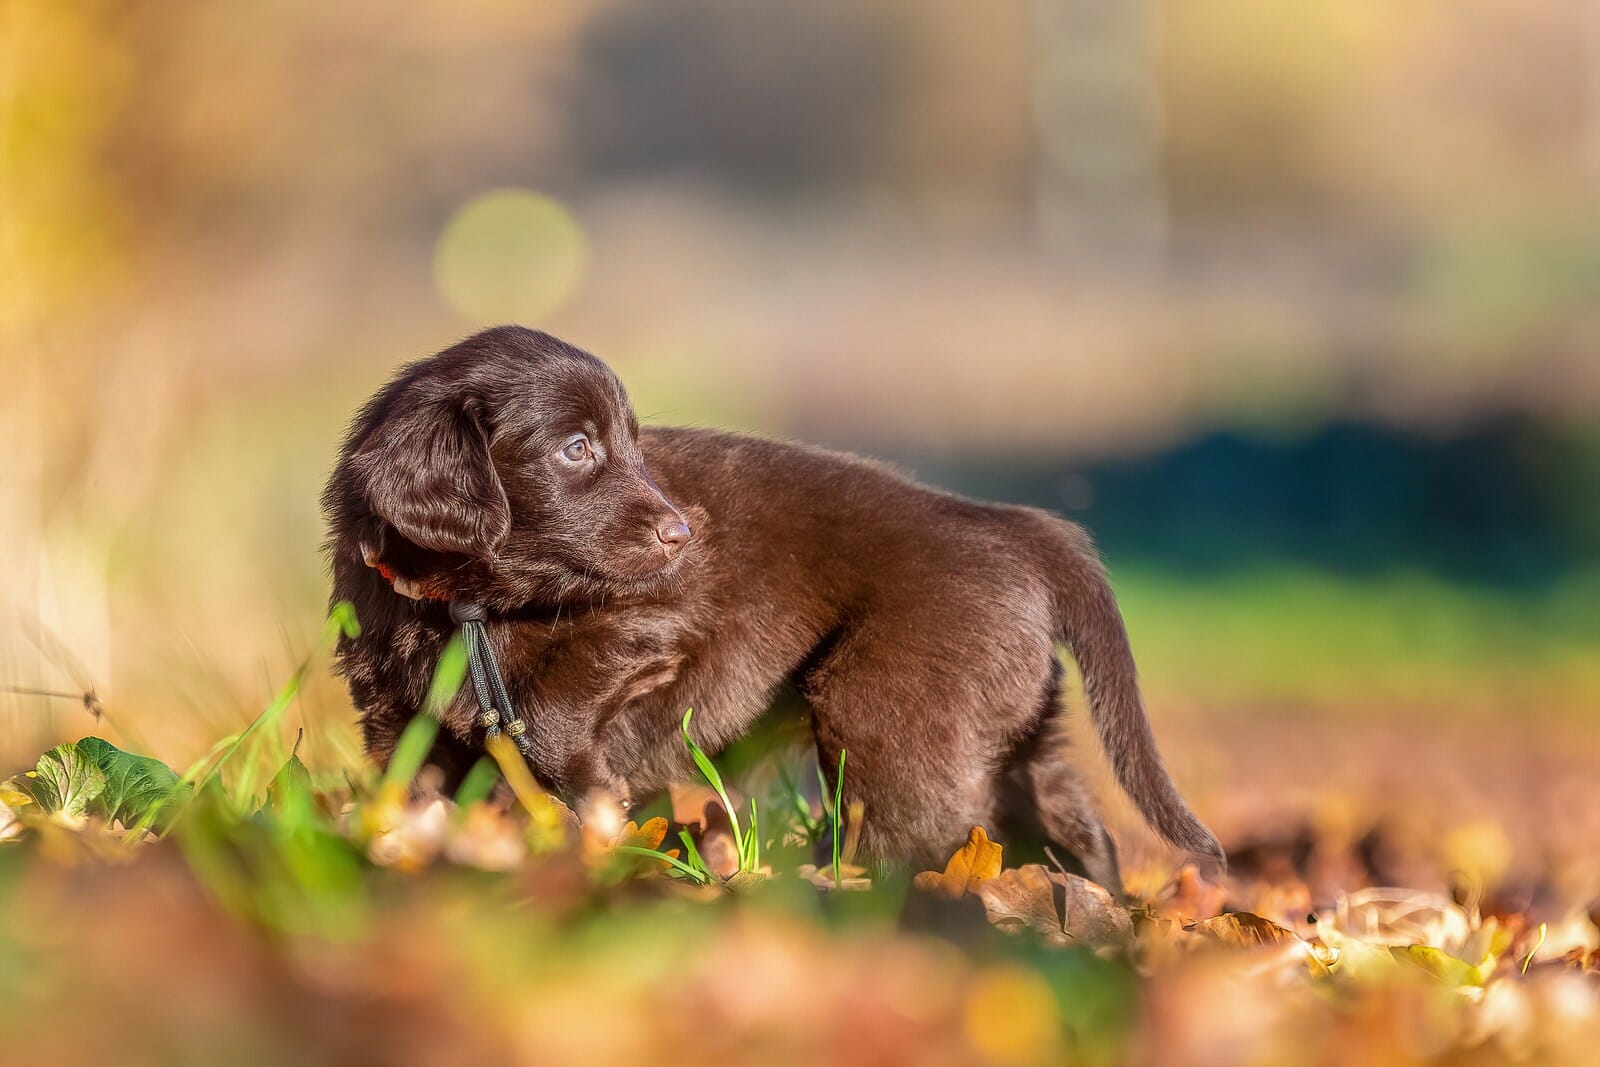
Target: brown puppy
<point>629,574</point>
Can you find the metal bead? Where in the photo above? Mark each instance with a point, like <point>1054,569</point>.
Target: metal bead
<point>516,727</point>
<point>489,719</point>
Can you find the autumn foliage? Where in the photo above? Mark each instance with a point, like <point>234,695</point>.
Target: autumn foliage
<point>336,920</point>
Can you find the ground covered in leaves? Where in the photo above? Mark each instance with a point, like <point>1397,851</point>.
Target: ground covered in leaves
<point>247,909</point>
<point>149,915</point>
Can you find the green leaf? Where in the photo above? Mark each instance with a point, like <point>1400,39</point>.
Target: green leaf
<point>65,781</point>
<point>136,787</point>
<point>290,789</point>
<point>1443,966</point>
<point>94,777</point>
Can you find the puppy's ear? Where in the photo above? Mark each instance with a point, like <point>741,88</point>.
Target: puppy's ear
<point>426,470</point>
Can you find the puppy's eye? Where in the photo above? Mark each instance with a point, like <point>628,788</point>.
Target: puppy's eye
<point>577,450</point>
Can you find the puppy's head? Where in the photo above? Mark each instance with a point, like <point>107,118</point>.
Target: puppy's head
<point>508,469</point>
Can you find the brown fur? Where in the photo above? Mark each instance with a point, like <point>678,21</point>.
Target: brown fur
<point>919,627</point>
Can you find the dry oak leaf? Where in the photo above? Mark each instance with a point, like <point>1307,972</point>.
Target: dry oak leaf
<point>650,835</point>
<point>850,876</point>
<point>1243,929</point>
<point>974,863</point>
<point>1061,908</point>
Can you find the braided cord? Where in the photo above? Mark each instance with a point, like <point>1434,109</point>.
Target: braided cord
<point>475,637</point>
<point>494,701</point>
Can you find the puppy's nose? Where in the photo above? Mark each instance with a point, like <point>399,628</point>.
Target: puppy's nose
<point>674,535</point>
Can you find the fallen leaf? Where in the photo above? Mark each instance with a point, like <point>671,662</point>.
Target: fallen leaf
<point>415,837</point>
<point>136,787</point>
<point>1285,903</point>
<point>1246,930</point>
<point>291,783</point>
<point>487,839</point>
<point>650,835</point>
<point>1190,897</point>
<point>1390,916</point>
<point>1242,929</point>
<point>1443,966</point>
<point>1581,960</point>
<point>741,880</point>
<point>601,829</point>
<point>10,823</point>
<point>973,864</point>
<point>851,876</point>
<point>1061,908</point>
<point>65,782</point>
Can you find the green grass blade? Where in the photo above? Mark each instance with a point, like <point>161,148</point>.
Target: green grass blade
<point>342,622</point>
<point>838,803</point>
<point>412,749</point>
<point>753,840</point>
<point>695,859</point>
<point>797,800</point>
<point>698,877</point>
<point>447,677</point>
<point>410,752</point>
<point>478,784</point>
<point>229,749</point>
<point>709,770</point>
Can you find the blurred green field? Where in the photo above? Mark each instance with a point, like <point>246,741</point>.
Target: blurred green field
<point>1303,642</point>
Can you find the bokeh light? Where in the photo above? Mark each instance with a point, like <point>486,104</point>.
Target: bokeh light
<point>511,255</point>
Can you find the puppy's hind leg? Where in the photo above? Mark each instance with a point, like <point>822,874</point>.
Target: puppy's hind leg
<point>1048,806</point>
<point>919,793</point>
<point>1066,813</point>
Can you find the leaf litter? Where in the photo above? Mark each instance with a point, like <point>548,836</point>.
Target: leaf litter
<point>344,918</point>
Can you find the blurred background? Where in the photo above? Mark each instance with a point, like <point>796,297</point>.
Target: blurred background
<point>1297,307</point>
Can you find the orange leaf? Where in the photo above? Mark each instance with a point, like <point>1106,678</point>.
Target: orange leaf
<point>973,864</point>
<point>650,835</point>
<point>1190,897</point>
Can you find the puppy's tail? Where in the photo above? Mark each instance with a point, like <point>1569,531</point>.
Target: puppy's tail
<point>1091,626</point>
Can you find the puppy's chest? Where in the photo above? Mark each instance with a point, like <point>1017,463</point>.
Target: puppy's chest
<point>607,662</point>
